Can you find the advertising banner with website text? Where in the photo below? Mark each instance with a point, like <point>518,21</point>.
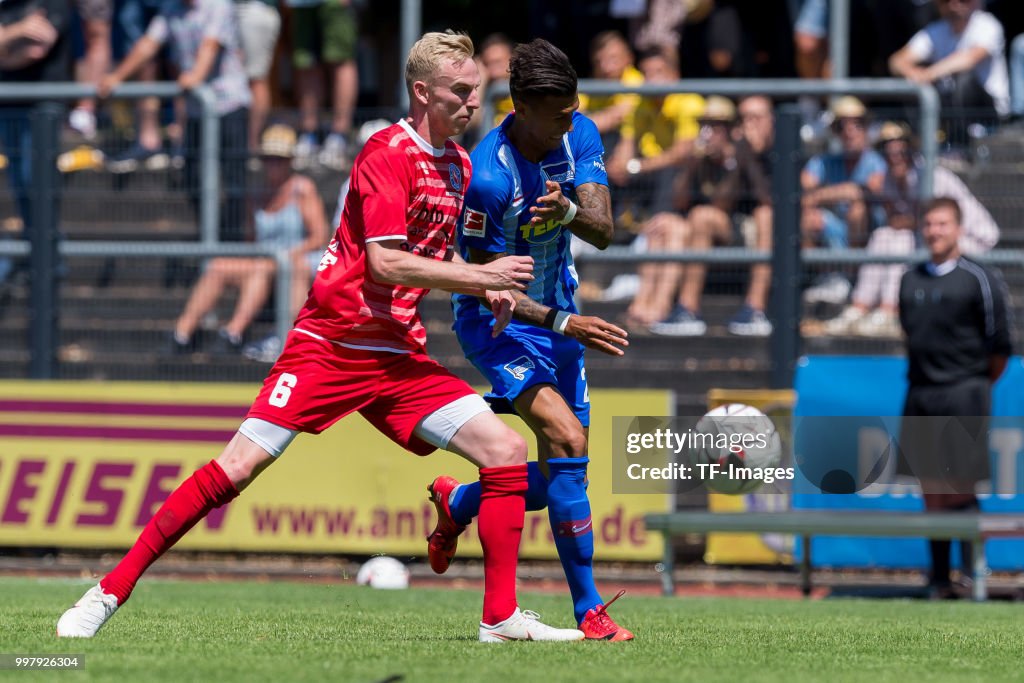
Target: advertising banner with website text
<point>86,464</point>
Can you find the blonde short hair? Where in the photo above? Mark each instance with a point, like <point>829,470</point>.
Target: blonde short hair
<point>431,50</point>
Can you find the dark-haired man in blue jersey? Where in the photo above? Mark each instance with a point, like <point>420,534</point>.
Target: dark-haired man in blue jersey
<point>538,179</point>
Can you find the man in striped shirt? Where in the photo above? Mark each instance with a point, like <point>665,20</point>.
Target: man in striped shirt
<point>359,345</point>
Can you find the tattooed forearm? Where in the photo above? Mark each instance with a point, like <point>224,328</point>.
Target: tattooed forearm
<point>527,310</point>
<point>593,221</point>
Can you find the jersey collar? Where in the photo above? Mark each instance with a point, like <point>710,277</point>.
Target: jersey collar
<point>944,268</point>
<point>423,144</point>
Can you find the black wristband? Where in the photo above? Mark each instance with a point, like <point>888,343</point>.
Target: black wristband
<point>549,318</point>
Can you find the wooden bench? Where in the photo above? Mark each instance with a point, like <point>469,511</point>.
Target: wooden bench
<point>968,526</point>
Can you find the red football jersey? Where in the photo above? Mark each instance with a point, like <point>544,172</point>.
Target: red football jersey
<point>404,189</point>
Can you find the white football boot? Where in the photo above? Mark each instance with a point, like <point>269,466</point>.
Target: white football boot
<point>525,625</point>
<point>90,612</point>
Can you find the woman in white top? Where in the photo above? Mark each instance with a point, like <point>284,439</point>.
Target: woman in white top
<point>291,216</point>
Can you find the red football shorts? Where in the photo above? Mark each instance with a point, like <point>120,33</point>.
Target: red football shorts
<point>315,383</point>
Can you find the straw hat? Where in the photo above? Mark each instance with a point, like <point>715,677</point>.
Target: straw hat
<point>894,130</point>
<point>719,109</point>
<point>278,141</point>
<point>848,107</point>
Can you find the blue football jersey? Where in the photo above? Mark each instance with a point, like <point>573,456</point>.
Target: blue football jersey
<point>497,214</point>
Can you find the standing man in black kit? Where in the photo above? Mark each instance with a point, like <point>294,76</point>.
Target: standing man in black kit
<point>956,317</point>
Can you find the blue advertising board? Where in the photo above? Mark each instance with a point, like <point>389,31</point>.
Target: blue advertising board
<point>868,393</point>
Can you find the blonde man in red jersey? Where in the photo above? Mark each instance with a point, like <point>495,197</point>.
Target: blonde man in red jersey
<point>359,345</point>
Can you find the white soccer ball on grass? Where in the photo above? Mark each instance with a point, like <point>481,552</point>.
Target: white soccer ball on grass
<point>383,572</point>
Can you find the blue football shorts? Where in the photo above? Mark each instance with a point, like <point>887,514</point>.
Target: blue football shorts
<point>523,356</point>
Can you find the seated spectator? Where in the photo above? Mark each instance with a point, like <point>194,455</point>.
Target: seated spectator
<point>657,23</point>
<point>874,308</point>
<point>962,55</point>
<point>838,187</point>
<point>131,17</point>
<point>709,192</point>
<point>291,217</point>
<point>492,57</point>
<point>203,38</point>
<point>656,137</point>
<point>754,178</point>
<point>324,34</point>
<point>34,48</point>
<point>875,29</point>
<point>94,18</point>
<point>642,167</point>
<point>810,37</point>
<point>259,25</point>
<point>713,42</point>
<point>611,59</point>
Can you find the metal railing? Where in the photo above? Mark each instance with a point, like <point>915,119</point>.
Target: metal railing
<point>812,256</point>
<point>209,153</point>
<point>925,94</point>
<point>43,334</point>
<point>282,296</point>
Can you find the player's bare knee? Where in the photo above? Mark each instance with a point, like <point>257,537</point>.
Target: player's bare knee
<point>506,451</point>
<point>242,461</point>
<point>566,440</point>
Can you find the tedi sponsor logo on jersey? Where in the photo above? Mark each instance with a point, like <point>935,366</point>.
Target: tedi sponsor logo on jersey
<point>542,232</point>
<point>519,367</point>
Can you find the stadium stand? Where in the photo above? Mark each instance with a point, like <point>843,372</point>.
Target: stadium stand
<point>116,312</point>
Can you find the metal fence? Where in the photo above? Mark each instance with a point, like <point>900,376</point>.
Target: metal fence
<point>114,303</point>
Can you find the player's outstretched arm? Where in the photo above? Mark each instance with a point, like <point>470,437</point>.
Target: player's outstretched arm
<point>590,220</point>
<point>388,264</point>
<point>591,331</point>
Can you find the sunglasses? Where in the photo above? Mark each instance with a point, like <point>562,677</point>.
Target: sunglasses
<point>842,124</point>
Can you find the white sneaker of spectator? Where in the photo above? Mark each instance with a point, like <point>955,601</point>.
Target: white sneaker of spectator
<point>750,322</point>
<point>831,289</point>
<point>682,322</point>
<point>842,324</point>
<point>621,288</point>
<point>305,151</point>
<point>264,351</point>
<point>334,153</point>
<point>84,122</point>
<point>879,324</point>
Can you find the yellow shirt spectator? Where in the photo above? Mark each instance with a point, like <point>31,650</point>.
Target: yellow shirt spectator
<point>656,125</point>
<point>631,76</point>
<point>502,108</point>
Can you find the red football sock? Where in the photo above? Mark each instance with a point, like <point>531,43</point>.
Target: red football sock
<point>500,526</point>
<point>206,489</point>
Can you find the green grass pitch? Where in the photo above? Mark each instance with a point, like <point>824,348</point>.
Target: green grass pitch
<point>177,631</point>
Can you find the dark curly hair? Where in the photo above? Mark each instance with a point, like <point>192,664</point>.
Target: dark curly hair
<point>539,69</point>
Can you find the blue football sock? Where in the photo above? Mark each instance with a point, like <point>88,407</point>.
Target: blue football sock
<point>465,500</point>
<point>573,529</point>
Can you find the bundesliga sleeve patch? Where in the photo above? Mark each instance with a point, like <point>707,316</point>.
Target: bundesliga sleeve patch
<point>474,223</point>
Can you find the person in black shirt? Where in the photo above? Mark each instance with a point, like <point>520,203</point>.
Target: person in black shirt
<point>34,48</point>
<point>955,315</point>
<point>724,191</point>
